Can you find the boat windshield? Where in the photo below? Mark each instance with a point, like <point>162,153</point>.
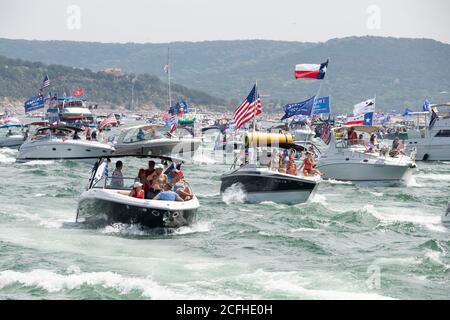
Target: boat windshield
<point>116,183</point>
<point>137,134</point>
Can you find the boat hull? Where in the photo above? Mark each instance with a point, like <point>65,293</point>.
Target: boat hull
<point>364,171</point>
<point>11,142</point>
<point>97,208</point>
<point>58,150</point>
<point>430,152</point>
<point>163,147</point>
<point>269,186</point>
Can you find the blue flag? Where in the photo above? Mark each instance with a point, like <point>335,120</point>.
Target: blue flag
<point>407,112</point>
<point>303,108</point>
<point>368,118</point>
<point>426,105</point>
<point>322,105</point>
<point>180,106</point>
<point>34,103</point>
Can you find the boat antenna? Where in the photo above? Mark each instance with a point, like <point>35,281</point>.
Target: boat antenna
<point>168,67</point>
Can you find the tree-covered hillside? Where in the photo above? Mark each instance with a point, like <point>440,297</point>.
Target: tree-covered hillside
<point>401,72</point>
<point>21,79</point>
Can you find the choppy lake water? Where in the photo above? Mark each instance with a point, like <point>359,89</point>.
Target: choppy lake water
<point>349,241</point>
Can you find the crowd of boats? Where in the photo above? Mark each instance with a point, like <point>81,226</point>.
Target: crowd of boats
<point>270,160</point>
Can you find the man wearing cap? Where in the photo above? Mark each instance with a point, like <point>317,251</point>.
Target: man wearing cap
<point>137,191</point>
<point>158,181</point>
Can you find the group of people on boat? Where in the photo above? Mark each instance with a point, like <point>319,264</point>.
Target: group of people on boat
<point>156,182</point>
<point>372,146</point>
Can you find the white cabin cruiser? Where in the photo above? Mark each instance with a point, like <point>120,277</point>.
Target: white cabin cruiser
<point>105,201</point>
<point>433,142</point>
<point>61,142</point>
<point>349,160</point>
<point>263,182</point>
<point>155,140</point>
<point>11,135</point>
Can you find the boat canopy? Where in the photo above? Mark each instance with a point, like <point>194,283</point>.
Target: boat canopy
<point>11,125</point>
<point>60,127</point>
<point>366,129</point>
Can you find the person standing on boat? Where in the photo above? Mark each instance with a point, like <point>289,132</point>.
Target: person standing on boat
<point>158,180</point>
<point>101,136</point>
<point>352,136</point>
<point>117,176</point>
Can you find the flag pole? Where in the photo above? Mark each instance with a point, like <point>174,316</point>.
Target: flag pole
<point>256,106</point>
<point>168,77</point>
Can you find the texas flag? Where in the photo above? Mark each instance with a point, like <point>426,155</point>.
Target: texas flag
<point>360,120</point>
<point>312,71</point>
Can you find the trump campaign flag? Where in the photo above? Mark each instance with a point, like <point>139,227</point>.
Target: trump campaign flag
<point>321,105</point>
<point>34,103</point>
<point>311,71</point>
<point>299,108</point>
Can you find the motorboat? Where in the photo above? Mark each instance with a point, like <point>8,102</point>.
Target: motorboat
<point>11,135</point>
<point>105,202</point>
<point>155,140</point>
<point>61,142</point>
<point>71,111</point>
<point>302,132</point>
<point>433,141</point>
<point>352,160</point>
<point>260,180</point>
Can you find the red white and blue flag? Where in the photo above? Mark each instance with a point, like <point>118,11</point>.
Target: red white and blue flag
<point>45,83</point>
<point>311,71</point>
<point>365,119</point>
<point>109,120</point>
<point>248,109</point>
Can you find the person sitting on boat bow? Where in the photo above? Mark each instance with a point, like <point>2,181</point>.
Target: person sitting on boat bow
<point>397,148</point>
<point>137,191</point>
<point>309,164</point>
<point>373,144</point>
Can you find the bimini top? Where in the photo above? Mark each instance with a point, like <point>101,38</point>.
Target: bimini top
<point>60,127</point>
<point>263,139</point>
<point>367,129</point>
<point>11,125</point>
<point>145,127</point>
<point>143,155</point>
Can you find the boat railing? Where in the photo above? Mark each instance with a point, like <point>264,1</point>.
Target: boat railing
<point>116,183</point>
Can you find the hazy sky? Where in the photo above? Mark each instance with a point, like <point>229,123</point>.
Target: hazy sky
<point>197,20</point>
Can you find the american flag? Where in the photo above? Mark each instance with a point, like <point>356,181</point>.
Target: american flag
<point>45,82</point>
<point>246,111</point>
<point>110,119</point>
<point>325,133</point>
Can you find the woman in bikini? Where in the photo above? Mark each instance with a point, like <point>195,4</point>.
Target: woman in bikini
<point>308,165</point>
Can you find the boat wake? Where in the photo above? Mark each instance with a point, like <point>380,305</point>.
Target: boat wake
<point>234,194</point>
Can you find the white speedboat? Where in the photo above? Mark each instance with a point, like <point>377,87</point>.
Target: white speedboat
<point>155,140</point>
<point>11,135</point>
<point>432,142</point>
<point>351,161</point>
<point>105,203</point>
<point>58,143</point>
<point>261,182</point>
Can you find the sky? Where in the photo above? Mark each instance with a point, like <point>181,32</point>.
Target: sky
<point>161,21</point>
